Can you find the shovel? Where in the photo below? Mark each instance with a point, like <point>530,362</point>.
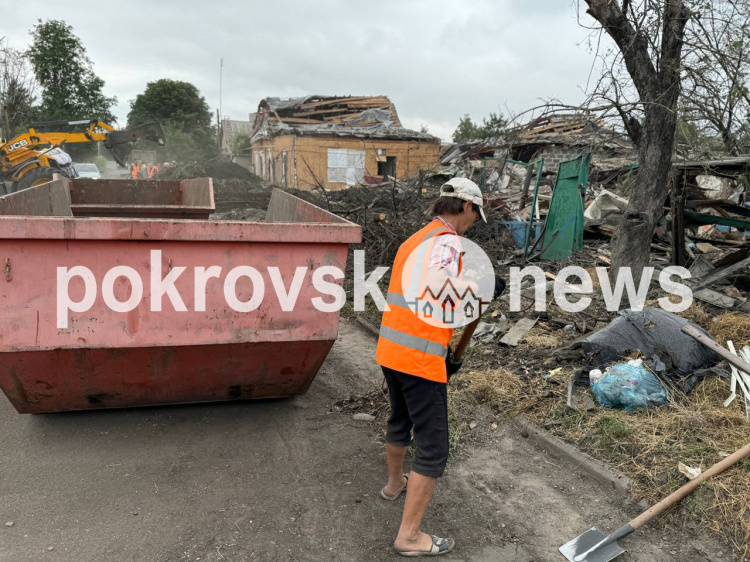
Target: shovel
<point>595,546</point>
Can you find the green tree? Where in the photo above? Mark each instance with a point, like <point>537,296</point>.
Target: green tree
<point>17,91</point>
<point>184,114</point>
<point>70,89</point>
<point>466,129</point>
<point>241,143</point>
<point>177,102</point>
<point>492,127</point>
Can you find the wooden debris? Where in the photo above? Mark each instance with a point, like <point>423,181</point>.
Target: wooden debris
<point>719,274</point>
<point>701,266</point>
<point>696,334</point>
<point>715,298</point>
<point>578,398</point>
<point>706,248</point>
<point>739,378</point>
<point>518,331</point>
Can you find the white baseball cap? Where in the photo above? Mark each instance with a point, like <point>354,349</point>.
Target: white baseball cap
<point>464,188</point>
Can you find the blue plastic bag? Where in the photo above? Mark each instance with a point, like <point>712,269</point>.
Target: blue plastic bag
<point>630,386</point>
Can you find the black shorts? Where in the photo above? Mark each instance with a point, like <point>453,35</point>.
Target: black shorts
<point>420,404</point>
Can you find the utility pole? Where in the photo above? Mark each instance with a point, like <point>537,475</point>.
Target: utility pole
<point>221,77</point>
<point>220,113</point>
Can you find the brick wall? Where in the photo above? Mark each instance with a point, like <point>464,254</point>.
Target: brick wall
<point>554,154</point>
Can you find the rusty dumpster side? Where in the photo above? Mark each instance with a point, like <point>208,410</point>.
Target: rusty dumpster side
<point>166,199</point>
<point>205,352</point>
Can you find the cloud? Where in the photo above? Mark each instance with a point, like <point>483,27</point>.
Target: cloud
<point>436,59</point>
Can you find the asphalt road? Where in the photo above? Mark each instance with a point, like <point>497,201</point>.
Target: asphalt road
<point>283,480</point>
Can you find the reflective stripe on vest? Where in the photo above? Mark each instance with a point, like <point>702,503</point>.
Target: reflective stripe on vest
<point>413,342</point>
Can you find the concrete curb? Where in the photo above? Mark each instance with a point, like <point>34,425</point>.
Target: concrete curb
<point>604,474</point>
<point>369,328</point>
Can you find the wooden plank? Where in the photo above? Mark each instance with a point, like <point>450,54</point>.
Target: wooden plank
<point>734,257</point>
<point>706,248</point>
<point>300,121</point>
<point>320,112</point>
<point>571,288</point>
<point>343,100</point>
<point>518,331</point>
<point>715,298</point>
<point>733,359</point>
<point>719,274</point>
<point>526,185</point>
<point>678,221</point>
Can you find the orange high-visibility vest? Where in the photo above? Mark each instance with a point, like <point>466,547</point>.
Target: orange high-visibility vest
<point>151,171</point>
<point>135,171</point>
<point>407,343</point>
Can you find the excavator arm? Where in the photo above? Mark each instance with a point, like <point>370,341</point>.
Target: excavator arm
<point>120,143</point>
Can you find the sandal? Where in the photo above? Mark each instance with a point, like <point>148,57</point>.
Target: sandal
<point>439,546</point>
<point>395,496</point>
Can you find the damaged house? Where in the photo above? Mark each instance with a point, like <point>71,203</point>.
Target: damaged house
<point>336,142</point>
<point>554,138</point>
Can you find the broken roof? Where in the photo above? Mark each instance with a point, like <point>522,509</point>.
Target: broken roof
<point>568,129</point>
<point>345,116</point>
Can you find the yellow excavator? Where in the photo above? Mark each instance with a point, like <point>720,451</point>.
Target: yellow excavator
<point>32,157</point>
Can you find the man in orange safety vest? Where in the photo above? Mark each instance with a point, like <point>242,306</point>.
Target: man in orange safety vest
<point>416,360</point>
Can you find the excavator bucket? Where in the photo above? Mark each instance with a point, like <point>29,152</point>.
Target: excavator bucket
<point>121,142</point>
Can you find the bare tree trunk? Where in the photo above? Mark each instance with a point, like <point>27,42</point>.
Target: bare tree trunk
<point>656,77</point>
<point>631,245</point>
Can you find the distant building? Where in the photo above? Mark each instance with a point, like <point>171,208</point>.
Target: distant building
<point>232,132</point>
<point>336,142</point>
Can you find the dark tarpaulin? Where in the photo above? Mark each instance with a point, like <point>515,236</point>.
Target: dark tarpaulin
<point>678,359</point>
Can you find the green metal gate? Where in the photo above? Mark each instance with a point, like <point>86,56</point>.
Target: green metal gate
<point>563,231</point>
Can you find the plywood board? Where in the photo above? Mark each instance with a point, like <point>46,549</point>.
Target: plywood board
<point>518,331</point>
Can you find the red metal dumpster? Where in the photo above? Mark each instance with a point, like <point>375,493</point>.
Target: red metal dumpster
<point>197,348</point>
<point>186,199</point>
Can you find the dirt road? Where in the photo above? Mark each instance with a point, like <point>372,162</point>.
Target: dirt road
<point>281,480</point>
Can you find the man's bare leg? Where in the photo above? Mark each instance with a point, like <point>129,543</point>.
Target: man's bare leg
<point>394,458</point>
<point>417,498</point>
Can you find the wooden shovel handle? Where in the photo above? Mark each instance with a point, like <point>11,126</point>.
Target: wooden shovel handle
<point>711,344</point>
<point>465,339</point>
<point>688,488</point>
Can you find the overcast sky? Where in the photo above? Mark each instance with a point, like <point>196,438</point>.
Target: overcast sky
<point>437,60</point>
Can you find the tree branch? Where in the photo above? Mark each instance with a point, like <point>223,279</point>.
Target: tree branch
<point>631,42</point>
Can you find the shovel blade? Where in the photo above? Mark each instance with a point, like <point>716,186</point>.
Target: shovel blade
<point>582,543</point>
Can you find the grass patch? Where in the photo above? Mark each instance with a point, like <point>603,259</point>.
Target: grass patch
<point>612,431</point>
<point>647,445</point>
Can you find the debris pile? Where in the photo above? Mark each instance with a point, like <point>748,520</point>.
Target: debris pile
<point>239,194</point>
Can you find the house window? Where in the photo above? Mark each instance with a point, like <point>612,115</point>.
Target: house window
<point>387,168</point>
<point>346,166</point>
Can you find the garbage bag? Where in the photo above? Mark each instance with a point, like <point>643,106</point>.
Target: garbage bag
<point>657,334</point>
<point>630,386</point>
